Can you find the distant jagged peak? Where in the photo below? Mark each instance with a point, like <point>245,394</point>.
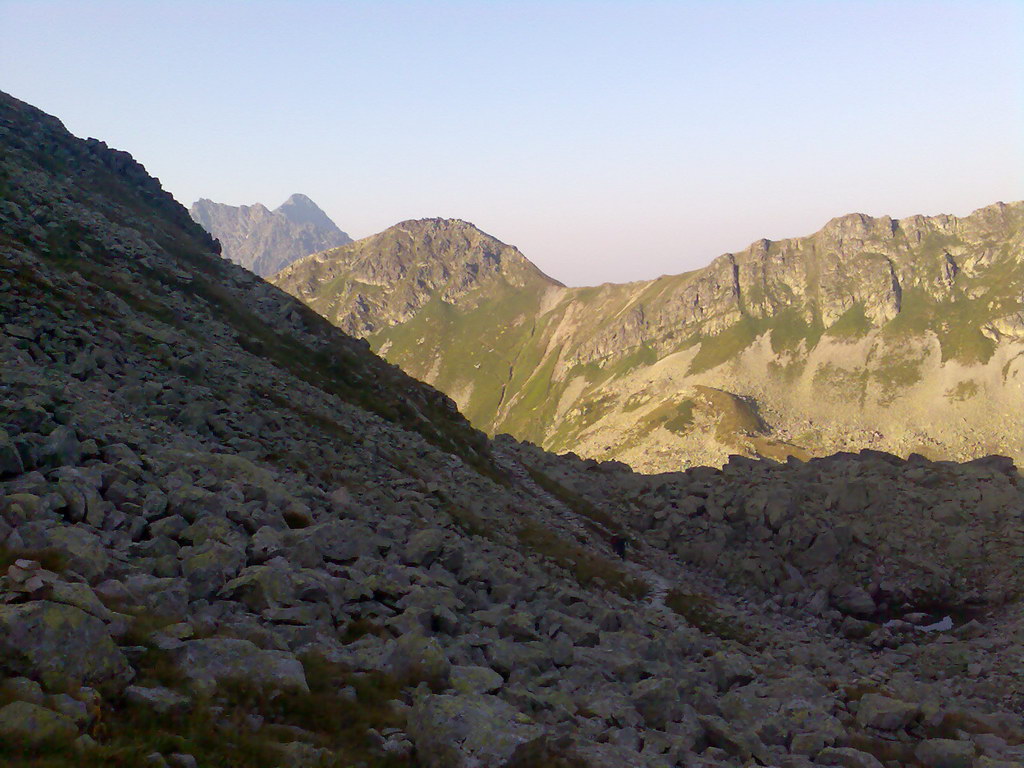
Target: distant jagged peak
<point>266,241</point>
<point>299,209</point>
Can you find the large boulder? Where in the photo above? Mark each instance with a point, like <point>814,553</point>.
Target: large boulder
<point>847,757</point>
<point>945,753</point>
<point>424,547</point>
<point>884,713</point>
<point>470,730</point>
<point>30,724</point>
<point>61,646</point>
<point>415,659</point>
<point>10,460</point>
<point>220,659</point>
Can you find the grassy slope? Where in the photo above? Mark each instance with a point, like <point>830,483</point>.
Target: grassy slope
<point>516,364</point>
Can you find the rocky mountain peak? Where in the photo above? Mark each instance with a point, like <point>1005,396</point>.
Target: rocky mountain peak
<point>299,209</point>
<point>391,275</point>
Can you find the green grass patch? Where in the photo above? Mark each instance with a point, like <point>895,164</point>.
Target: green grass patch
<point>588,568</point>
<point>853,324</point>
<point>701,612</point>
<point>790,330</point>
<point>682,420</point>
<point>725,346</point>
<point>964,390</point>
<point>574,501</point>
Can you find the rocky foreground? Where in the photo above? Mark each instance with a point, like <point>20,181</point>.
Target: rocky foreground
<point>231,536</point>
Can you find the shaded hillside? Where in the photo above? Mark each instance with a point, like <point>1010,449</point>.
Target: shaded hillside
<point>266,241</point>
<point>904,335</point>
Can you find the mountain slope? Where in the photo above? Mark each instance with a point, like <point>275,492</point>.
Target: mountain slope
<point>858,334</point>
<point>266,241</point>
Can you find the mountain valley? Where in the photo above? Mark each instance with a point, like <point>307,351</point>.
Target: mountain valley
<point>232,535</point>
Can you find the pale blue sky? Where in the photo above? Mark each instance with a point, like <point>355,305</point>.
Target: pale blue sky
<point>608,140</point>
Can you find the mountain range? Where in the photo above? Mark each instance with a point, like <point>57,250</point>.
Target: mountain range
<point>265,241</point>
<point>231,535</point>
<point>900,335</point>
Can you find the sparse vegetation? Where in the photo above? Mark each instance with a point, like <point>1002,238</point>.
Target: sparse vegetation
<point>853,324</point>
<point>587,568</point>
<point>702,613</point>
<point>963,390</point>
<point>51,559</point>
<point>219,730</point>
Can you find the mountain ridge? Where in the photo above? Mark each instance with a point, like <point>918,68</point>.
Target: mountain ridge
<point>929,294</point>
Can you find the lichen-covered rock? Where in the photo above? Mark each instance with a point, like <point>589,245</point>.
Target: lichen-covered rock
<point>847,757</point>
<point>461,731</point>
<point>159,699</point>
<point>61,646</point>
<point>884,713</point>
<point>221,659</point>
<point>474,679</point>
<point>31,724</point>
<point>424,547</point>
<point>945,753</point>
<point>414,658</point>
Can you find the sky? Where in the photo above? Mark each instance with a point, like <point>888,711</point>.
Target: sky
<point>609,141</point>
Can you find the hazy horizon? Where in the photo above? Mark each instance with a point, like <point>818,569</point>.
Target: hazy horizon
<point>607,141</point>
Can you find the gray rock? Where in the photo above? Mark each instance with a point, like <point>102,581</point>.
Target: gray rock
<point>876,711</point>
<point>31,724</point>
<point>414,659</point>
<point>847,757</point>
<point>469,730</point>
<point>473,679</point>
<point>218,659</point>
<point>161,700</point>
<point>945,753</point>
<point>61,646</point>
